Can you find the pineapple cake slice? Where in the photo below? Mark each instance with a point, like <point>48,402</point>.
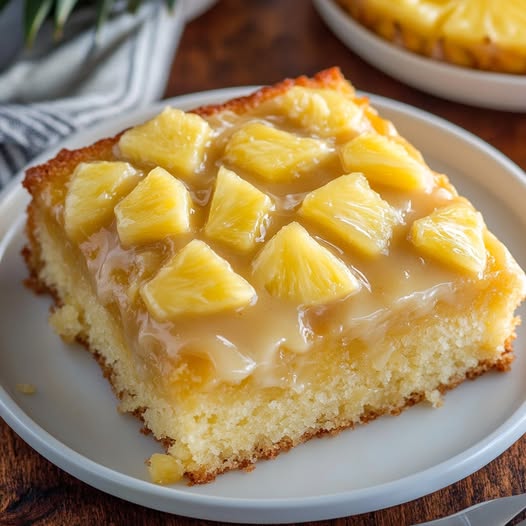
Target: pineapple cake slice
<point>196,281</point>
<point>256,273</point>
<point>158,207</point>
<point>239,212</point>
<point>323,112</point>
<point>349,208</point>
<point>295,267</point>
<point>453,235</point>
<point>385,161</point>
<point>174,140</point>
<point>93,192</point>
<point>272,154</point>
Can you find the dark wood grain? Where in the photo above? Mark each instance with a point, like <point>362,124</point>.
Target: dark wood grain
<point>242,42</point>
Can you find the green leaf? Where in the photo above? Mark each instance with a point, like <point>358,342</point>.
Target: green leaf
<point>35,12</point>
<point>63,9</point>
<point>133,5</point>
<point>3,3</point>
<point>103,11</point>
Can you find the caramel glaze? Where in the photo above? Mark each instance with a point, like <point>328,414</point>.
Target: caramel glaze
<point>268,341</point>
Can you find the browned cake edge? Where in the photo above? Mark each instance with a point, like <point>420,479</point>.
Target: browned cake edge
<point>38,177</point>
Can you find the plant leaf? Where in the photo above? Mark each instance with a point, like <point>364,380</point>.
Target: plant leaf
<point>35,12</point>
<point>63,9</point>
<point>103,10</point>
<point>3,3</point>
<point>133,5</point>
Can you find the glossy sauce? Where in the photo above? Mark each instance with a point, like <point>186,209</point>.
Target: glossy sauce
<point>259,340</point>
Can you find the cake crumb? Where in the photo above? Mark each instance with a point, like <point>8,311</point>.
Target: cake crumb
<point>164,469</point>
<point>434,398</point>
<point>27,389</point>
<point>65,321</point>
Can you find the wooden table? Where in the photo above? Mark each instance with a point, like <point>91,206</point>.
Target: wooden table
<point>241,42</point>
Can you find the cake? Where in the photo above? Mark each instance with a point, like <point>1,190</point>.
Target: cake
<point>253,274</point>
<point>482,34</point>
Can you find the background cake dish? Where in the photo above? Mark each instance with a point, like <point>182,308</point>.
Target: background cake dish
<point>487,35</point>
<point>254,274</point>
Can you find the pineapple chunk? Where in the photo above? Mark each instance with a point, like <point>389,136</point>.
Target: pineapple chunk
<point>453,235</point>
<point>350,209</point>
<point>93,192</point>
<point>174,140</point>
<point>295,267</point>
<point>323,112</point>
<point>195,281</point>
<point>158,207</point>
<point>496,22</point>
<point>386,162</point>
<point>275,155</point>
<point>238,212</point>
<point>165,469</point>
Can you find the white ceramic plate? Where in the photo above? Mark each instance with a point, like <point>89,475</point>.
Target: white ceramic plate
<point>72,420</point>
<point>486,89</point>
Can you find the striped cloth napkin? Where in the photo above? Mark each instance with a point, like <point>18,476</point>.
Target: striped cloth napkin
<point>52,93</point>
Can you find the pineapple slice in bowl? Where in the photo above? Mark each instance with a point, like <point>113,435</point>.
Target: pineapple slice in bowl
<point>487,36</point>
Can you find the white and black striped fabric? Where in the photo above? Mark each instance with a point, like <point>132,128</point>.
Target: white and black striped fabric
<point>77,83</point>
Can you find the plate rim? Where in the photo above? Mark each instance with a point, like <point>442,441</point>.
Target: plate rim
<point>457,83</point>
<point>213,507</point>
